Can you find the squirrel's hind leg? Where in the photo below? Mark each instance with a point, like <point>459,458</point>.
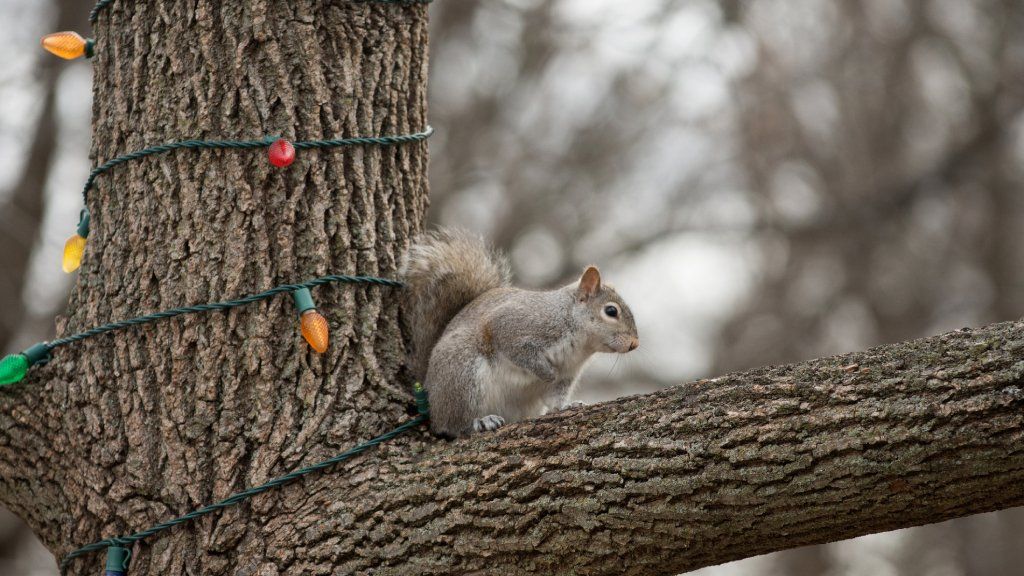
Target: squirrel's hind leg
<point>488,423</point>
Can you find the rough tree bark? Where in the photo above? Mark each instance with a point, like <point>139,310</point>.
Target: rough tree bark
<point>701,474</point>
<point>122,431</point>
<point>128,430</point>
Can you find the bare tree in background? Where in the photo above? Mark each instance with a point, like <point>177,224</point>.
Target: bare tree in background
<point>22,209</point>
<point>24,205</point>
<point>888,199</point>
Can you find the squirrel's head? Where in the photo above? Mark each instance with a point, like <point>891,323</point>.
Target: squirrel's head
<point>610,324</point>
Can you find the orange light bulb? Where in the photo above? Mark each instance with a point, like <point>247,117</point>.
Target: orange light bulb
<point>73,250</point>
<point>314,330</point>
<point>67,45</point>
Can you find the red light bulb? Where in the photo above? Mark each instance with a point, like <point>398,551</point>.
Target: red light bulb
<point>281,153</point>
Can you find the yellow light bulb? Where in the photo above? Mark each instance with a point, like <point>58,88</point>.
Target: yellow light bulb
<point>314,330</point>
<point>67,45</point>
<point>73,250</point>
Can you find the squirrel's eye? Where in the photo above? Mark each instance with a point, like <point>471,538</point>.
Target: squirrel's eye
<point>611,311</point>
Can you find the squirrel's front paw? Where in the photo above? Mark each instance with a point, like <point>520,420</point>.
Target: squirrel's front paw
<point>488,423</point>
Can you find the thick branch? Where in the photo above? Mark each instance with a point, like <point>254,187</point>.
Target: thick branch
<point>703,473</point>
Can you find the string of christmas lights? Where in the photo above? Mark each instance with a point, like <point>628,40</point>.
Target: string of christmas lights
<point>14,367</point>
<point>280,153</point>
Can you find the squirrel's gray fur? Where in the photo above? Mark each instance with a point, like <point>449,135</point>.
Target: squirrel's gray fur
<point>488,353</point>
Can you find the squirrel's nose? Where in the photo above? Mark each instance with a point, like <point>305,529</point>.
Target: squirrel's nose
<point>634,344</point>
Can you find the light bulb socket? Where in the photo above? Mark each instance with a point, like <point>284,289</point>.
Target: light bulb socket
<point>117,561</point>
<point>90,45</point>
<point>83,223</point>
<point>422,405</point>
<point>303,300</point>
<point>38,354</point>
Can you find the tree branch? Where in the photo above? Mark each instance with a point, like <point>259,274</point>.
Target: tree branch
<point>708,472</point>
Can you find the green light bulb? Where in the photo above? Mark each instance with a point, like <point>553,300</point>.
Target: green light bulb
<point>13,368</point>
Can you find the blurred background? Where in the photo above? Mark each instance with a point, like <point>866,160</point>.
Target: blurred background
<point>764,181</point>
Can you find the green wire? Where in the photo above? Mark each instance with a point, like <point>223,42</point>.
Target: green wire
<point>239,497</point>
<point>249,144</point>
<point>40,353</point>
<point>215,306</point>
<point>95,13</point>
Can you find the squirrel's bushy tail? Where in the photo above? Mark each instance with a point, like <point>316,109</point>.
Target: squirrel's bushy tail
<point>443,271</point>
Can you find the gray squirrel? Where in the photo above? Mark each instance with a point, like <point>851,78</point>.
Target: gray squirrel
<point>488,353</point>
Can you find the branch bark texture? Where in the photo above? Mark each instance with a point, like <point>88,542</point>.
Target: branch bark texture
<point>711,471</point>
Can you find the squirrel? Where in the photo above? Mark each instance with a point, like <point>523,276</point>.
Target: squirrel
<point>489,353</point>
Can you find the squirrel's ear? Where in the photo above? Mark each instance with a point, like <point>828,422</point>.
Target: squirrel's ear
<point>590,283</point>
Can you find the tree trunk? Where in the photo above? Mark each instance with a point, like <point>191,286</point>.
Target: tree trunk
<point>126,430</point>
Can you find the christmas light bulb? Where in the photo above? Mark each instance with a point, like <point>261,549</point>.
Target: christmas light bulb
<point>68,45</point>
<point>73,250</point>
<point>13,368</point>
<point>314,330</point>
<point>314,326</point>
<point>75,246</point>
<point>281,153</point>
